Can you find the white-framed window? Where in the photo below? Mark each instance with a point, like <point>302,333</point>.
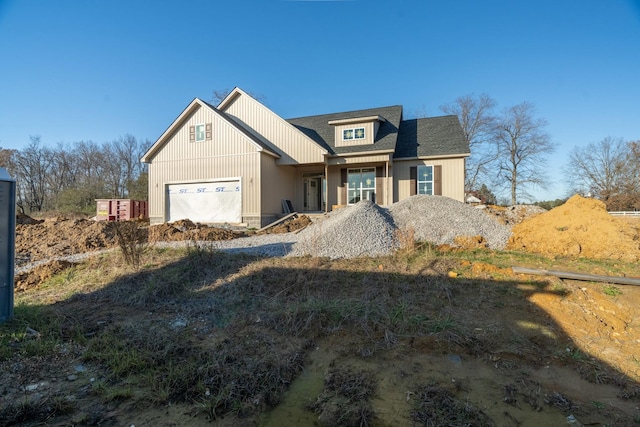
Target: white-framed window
<point>200,133</point>
<point>425,179</point>
<point>353,133</point>
<point>361,185</point>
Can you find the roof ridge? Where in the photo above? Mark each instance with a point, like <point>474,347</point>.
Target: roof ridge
<point>345,112</point>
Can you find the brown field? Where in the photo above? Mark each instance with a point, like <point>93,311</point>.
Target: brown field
<point>427,336</point>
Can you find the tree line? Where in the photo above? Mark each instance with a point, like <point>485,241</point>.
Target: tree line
<point>509,154</point>
<point>509,151</point>
<point>69,177</point>
<point>608,170</point>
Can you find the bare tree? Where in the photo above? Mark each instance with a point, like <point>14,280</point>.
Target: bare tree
<point>33,165</point>
<point>6,158</point>
<point>478,122</point>
<point>521,149</point>
<point>597,168</point>
<point>220,94</point>
<point>608,171</point>
<point>63,169</point>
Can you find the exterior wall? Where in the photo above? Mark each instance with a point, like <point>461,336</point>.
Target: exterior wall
<point>369,133</point>
<point>278,182</point>
<point>292,145</point>
<point>359,159</point>
<point>298,199</point>
<point>452,177</point>
<point>336,194</point>
<point>228,154</point>
<point>333,187</point>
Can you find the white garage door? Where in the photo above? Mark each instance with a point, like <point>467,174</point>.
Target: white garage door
<point>219,201</point>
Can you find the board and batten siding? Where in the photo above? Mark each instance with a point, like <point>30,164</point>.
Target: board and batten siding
<point>294,147</point>
<point>229,154</point>
<point>369,133</point>
<point>278,183</point>
<point>452,177</point>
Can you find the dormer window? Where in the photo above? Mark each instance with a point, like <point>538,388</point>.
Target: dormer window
<point>352,133</point>
<point>356,130</point>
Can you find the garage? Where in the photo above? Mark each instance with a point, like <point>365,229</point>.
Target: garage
<point>207,202</point>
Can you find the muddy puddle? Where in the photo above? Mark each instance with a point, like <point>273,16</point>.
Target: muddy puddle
<point>505,395</point>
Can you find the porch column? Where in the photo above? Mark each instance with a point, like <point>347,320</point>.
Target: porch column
<point>386,190</point>
<point>326,193</point>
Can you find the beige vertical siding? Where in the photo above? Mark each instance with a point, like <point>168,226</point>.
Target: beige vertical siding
<point>371,158</point>
<point>228,155</point>
<point>368,134</point>
<point>292,145</point>
<point>278,183</point>
<point>333,190</point>
<point>452,177</point>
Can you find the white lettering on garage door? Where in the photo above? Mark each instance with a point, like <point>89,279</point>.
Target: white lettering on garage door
<point>219,201</point>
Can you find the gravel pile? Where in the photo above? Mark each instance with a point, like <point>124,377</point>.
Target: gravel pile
<point>439,220</point>
<point>364,229</point>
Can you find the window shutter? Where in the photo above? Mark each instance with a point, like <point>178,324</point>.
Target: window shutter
<point>192,133</point>
<point>208,132</point>
<point>437,180</point>
<point>343,177</point>
<point>413,180</point>
<point>379,184</point>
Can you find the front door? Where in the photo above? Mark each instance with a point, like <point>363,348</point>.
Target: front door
<point>312,187</point>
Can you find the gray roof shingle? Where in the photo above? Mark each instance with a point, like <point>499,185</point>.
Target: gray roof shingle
<point>431,136</point>
<point>318,129</point>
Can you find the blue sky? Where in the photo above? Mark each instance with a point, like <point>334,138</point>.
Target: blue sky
<point>97,70</point>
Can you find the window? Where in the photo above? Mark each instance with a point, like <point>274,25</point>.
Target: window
<point>199,133</point>
<point>425,180</point>
<point>349,134</point>
<point>361,185</point>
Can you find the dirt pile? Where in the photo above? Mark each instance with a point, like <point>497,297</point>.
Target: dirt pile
<point>33,278</point>
<point>61,236</point>
<point>186,229</point>
<point>580,227</point>
<point>26,219</point>
<point>293,224</point>
<point>512,215</point>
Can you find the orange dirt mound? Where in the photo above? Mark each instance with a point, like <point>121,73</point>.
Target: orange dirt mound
<point>581,227</point>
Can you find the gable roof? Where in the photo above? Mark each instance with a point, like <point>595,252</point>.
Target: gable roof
<point>286,139</point>
<point>184,116</point>
<point>319,129</point>
<point>431,137</point>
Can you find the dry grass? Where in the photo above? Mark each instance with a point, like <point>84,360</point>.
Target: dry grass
<point>132,238</point>
<point>227,334</point>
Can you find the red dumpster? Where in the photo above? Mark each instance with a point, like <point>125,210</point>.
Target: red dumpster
<point>121,209</point>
